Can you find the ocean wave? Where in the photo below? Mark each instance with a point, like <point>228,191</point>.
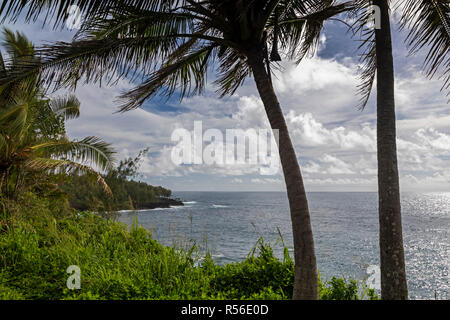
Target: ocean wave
<point>128,211</point>
<point>170,208</point>
<point>179,207</point>
<point>219,206</point>
<point>160,209</point>
<point>189,202</point>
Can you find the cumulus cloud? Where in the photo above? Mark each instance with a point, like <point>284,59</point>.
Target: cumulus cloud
<point>333,151</point>
<point>335,142</point>
<point>309,132</point>
<point>267,181</point>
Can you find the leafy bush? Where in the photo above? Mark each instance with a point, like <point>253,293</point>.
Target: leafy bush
<point>263,275</point>
<point>339,289</point>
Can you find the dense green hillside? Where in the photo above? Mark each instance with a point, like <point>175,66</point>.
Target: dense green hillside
<point>86,194</point>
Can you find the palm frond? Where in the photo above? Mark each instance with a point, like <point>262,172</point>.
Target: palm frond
<point>13,120</point>
<point>233,71</point>
<point>170,44</point>
<point>299,34</point>
<point>131,21</point>
<point>67,106</point>
<point>64,64</point>
<point>3,147</point>
<point>66,166</point>
<point>92,149</point>
<point>20,51</point>
<point>368,70</point>
<point>363,17</point>
<point>17,46</point>
<point>186,73</point>
<point>58,10</point>
<point>428,22</point>
<point>2,67</point>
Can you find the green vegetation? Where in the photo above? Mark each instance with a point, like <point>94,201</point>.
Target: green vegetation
<point>85,194</point>
<point>36,154</point>
<point>39,243</point>
<point>33,138</point>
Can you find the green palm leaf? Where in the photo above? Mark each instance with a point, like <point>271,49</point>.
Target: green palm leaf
<point>92,149</point>
<point>187,73</point>
<point>299,34</point>
<point>67,166</point>
<point>361,13</point>
<point>23,119</point>
<point>59,9</point>
<point>13,120</point>
<point>428,22</point>
<point>68,106</point>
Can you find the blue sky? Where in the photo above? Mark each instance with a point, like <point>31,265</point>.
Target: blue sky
<point>335,142</point>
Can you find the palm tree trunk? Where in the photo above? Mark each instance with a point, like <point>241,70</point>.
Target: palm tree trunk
<point>2,179</point>
<point>306,277</point>
<point>6,182</point>
<point>18,180</point>
<point>392,259</point>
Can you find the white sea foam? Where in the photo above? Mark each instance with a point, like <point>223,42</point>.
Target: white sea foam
<point>219,206</point>
<point>128,211</point>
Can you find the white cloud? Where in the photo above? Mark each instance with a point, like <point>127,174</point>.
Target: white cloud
<point>432,138</point>
<point>337,166</point>
<point>335,142</point>
<point>267,181</point>
<point>309,132</point>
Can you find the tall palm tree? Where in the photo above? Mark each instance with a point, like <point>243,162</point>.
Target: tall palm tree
<point>172,45</point>
<point>32,134</point>
<point>392,257</point>
<point>429,24</point>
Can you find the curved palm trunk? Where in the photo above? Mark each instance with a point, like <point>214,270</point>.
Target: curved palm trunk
<point>306,278</point>
<point>393,274</point>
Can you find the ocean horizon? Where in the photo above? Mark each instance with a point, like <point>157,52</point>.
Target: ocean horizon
<point>345,227</point>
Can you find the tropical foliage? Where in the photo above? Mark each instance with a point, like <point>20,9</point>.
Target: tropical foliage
<point>127,192</point>
<point>428,25</point>
<point>32,130</point>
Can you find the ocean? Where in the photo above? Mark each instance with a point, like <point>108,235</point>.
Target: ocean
<point>345,227</point>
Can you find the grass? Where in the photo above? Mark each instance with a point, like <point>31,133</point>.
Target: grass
<point>122,263</point>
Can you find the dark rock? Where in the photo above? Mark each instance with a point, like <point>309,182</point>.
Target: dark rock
<point>161,203</point>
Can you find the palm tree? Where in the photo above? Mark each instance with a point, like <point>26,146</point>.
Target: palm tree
<point>172,45</point>
<point>429,24</point>
<point>392,257</point>
<point>32,134</point>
